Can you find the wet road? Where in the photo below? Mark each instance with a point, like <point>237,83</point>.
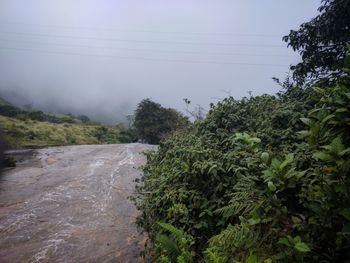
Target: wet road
<point>69,204</point>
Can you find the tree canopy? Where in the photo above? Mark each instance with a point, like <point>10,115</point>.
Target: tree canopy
<point>321,43</point>
<point>152,121</point>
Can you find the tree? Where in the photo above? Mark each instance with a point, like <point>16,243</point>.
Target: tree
<point>152,121</point>
<point>322,43</point>
<point>83,118</point>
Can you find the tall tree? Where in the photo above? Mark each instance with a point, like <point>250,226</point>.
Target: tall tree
<point>152,121</point>
<point>322,43</point>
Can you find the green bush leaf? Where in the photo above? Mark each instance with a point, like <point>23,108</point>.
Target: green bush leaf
<point>302,247</point>
<point>271,186</point>
<point>252,259</point>
<point>345,213</point>
<point>265,157</point>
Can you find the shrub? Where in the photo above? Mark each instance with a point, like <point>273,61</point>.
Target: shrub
<point>261,179</point>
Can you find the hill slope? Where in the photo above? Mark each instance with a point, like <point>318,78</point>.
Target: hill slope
<point>31,133</point>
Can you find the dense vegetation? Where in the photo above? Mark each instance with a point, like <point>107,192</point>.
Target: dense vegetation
<point>265,178</point>
<point>10,110</point>
<point>152,122</point>
<point>32,128</point>
<point>261,179</point>
<point>31,133</point>
<point>24,128</point>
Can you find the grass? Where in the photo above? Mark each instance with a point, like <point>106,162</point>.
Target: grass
<point>30,133</point>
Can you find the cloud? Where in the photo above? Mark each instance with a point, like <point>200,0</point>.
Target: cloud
<point>101,58</point>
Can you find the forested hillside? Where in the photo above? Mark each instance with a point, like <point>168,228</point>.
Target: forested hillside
<point>262,178</point>
<point>24,128</point>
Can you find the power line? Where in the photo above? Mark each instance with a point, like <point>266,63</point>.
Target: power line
<point>145,59</point>
<point>140,41</point>
<point>151,50</point>
<point>141,30</point>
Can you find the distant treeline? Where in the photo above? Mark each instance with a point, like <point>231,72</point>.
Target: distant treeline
<point>35,128</point>
<point>150,123</point>
<point>9,110</point>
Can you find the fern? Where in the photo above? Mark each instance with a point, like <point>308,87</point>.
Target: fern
<point>179,234</point>
<point>176,246</point>
<point>168,246</point>
<point>235,241</point>
<point>244,199</point>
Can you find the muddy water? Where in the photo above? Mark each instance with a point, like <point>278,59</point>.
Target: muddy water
<point>69,204</point>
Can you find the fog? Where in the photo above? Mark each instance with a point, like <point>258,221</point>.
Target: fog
<point>101,57</point>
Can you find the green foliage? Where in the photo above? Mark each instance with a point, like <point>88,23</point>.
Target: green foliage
<point>31,133</point>
<point>9,110</point>
<point>322,43</point>
<point>174,248</point>
<point>126,135</point>
<point>261,179</point>
<point>35,128</point>
<point>153,122</point>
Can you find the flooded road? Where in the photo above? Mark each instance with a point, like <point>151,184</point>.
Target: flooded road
<point>69,204</point>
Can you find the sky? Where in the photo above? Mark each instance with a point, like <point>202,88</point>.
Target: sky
<point>101,57</point>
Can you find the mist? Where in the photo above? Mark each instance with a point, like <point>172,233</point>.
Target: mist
<point>100,58</point>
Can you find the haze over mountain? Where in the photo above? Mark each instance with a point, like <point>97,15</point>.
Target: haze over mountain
<point>100,58</point>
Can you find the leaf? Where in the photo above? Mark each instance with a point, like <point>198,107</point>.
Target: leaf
<point>315,129</point>
<point>268,174</point>
<point>337,145</point>
<point>296,220</point>
<point>252,259</point>
<point>213,170</point>
<point>198,226</point>
<point>271,186</point>
<point>319,90</point>
<point>254,221</point>
<point>323,156</point>
<point>265,157</point>
<point>303,134</point>
<point>284,241</point>
<point>328,118</point>
<point>345,213</point>
<point>347,150</point>
<point>348,93</point>
<point>302,247</point>
<point>307,121</point>
<point>202,214</point>
<point>289,159</point>
<point>300,174</point>
<point>275,163</point>
<point>341,110</point>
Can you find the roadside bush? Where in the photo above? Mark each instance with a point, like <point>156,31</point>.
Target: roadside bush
<point>261,179</point>
<point>126,135</point>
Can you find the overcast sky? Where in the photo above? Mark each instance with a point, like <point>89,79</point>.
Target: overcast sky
<point>101,57</point>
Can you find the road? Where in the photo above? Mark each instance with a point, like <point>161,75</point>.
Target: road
<point>69,204</point>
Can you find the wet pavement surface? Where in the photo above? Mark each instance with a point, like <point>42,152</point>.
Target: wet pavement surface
<point>70,204</point>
